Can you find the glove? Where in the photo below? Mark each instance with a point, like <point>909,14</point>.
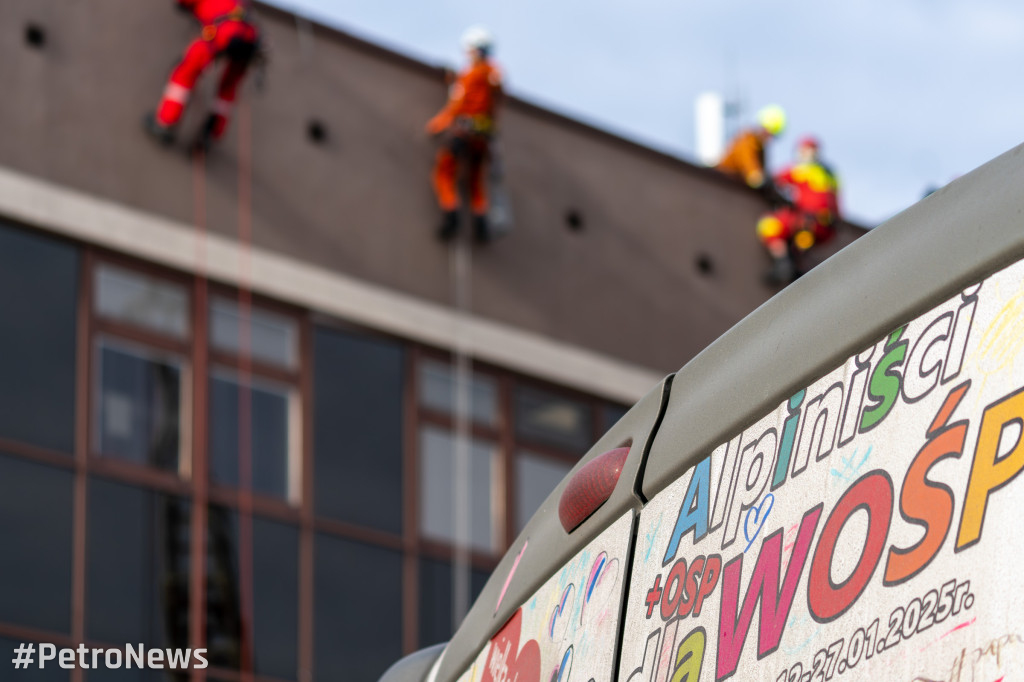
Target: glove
<point>439,124</point>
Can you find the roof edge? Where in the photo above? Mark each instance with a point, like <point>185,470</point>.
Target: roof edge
<point>517,101</point>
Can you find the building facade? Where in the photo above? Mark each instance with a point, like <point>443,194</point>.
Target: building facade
<point>226,413</point>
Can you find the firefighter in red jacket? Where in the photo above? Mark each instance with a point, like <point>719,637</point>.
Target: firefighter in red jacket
<point>227,31</point>
<point>467,123</point>
<point>809,217</point>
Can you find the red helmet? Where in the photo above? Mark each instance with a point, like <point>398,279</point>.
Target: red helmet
<point>808,141</point>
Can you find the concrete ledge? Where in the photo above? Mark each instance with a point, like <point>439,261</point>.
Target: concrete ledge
<point>104,223</point>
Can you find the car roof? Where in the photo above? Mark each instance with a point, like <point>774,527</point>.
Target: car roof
<point>920,257</point>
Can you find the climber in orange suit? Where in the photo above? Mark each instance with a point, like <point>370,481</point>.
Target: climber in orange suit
<point>467,124</point>
<point>227,31</point>
<point>745,157</point>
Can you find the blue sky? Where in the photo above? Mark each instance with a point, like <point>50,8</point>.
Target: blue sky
<point>904,94</point>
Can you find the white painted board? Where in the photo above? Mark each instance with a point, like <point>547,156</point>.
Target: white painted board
<point>866,529</point>
<point>568,629</point>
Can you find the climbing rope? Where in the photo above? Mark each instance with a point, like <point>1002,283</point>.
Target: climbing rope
<point>461,280</point>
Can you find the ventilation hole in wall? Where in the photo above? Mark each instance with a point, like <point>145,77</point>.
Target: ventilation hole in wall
<point>316,131</point>
<point>35,36</point>
<point>705,265</point>
<point>574,220</point>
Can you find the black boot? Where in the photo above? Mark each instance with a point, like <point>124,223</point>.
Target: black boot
<point>161,133</point>
<point>481,230</point>
<point>449,226</point>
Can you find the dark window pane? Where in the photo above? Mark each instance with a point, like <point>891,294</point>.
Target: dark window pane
<point>536,477</point>
<point>436,589</point>
<point>438,486</point>
<point>139,406</point>
<point>551,419</point>
<point>142,300</point>
<point>275,566</point>
<point>437,391</point>
<point>35,527</point>
<point>612,414</point>
<point>358,429</point>
<point>269,337</point>
<point>51,673</point>
<point>137,566</point>
<point>269,435</point>
<point>358,612</point>
<point>38,289</point>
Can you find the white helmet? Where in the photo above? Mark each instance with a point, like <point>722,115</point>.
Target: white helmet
<point>477,38</point>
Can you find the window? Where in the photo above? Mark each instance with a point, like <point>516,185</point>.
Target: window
<point>435,621</point>
<point>255,420</point>
<point>437,392</point>
<point>379,404</point>
<point>38,290</point>
<point>269,338</point>
<point>438,481</point>
<point>549,419</point>
<point>612,413</point>
<point>35,564</point>
<point>358,423</point>
<point>140,370</point>
<point>138,406</point>
<point>273,428</point>
<point>358,619</point>
<point>140,300</point>
<point>137,563</point>
<point>275,552</point>
<point>536,477</point>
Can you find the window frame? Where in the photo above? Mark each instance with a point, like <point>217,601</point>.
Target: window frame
<point>255,371</point>
<point>100,330</point>
<point>103,341</point>
<point>199,361</point>
<point>509,445</point>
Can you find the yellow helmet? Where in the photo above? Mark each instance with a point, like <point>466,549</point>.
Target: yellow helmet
<point>773,119</point>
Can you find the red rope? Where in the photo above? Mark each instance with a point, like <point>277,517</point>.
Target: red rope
<point>245,525</point>
<point>199,531</point>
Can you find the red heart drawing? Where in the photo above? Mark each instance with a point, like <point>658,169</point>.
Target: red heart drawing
<point>505,662</point>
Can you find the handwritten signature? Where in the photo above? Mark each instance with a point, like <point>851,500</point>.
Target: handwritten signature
<point>965,665</point>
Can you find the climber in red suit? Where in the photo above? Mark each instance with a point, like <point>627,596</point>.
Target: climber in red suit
<point>227,31</point>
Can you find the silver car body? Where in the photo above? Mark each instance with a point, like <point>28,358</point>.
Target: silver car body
<point>829,490</point>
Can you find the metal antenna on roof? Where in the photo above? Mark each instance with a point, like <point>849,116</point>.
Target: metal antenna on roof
<point>734,100</point>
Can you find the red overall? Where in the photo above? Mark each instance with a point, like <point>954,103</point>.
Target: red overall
<point>469,118</point>
<point>225,32</point>
<point>815,210</point>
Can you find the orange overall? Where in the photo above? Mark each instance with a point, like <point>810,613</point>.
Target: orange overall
<point>226,31</point>
<point>469,119</point>
<point>815,208</point>
<point>745,158</point>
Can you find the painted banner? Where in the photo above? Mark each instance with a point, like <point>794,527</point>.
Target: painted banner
<point>865,530</point>
<point>568,629</point>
